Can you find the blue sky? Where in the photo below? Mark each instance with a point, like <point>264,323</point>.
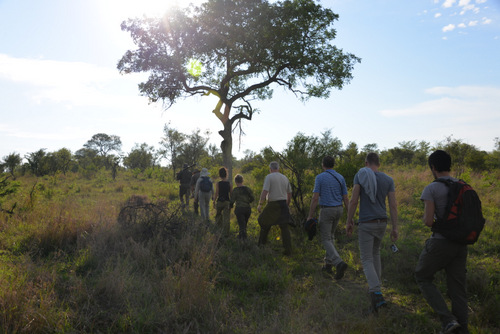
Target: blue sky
<point>429,70</point>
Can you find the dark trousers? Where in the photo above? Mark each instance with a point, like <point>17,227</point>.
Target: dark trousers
<point>441,254</point>
<point>275,213</point>
<point>242,216</point>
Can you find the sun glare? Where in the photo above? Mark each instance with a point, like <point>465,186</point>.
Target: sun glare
<point>122,9</point>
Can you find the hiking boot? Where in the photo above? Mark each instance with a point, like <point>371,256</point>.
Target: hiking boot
<point>327,268</point>
<point>450,327</point>
<point>340,270</point>
<point>377,301</point>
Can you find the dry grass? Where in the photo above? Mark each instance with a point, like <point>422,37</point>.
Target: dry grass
<point>68,264</point>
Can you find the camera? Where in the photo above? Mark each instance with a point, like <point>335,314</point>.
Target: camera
<point>394,248</point>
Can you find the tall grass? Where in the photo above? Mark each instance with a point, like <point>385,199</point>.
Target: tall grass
<point>120,256</point>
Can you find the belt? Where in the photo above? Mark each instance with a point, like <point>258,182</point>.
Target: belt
<point>382,220</point>
<point>329,206</point>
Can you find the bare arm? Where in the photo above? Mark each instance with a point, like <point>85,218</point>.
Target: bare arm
<point>314,204</point>
<point>353,204</point>
<point>345,199</point>
<point>429,208</point>
<point>393,208</point>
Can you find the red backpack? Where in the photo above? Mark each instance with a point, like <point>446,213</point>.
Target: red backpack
<point>463,220</point>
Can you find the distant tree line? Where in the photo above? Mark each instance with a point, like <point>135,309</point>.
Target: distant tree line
<point>302,156</point>
<point>103,151</point>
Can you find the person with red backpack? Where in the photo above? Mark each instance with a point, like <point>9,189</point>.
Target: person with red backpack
<point>441,252</point>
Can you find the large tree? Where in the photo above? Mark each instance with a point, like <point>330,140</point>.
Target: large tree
<point>103,144</point>
<point>11,162</point>
<point>237,50</point>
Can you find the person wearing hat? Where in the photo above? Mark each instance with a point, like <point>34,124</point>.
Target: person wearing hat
<point>184,177</point>
<point>330,191</point>
<point>204,192</point>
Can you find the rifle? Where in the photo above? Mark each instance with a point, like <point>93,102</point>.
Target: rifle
<point>189,166</point>
<point>185,168</point>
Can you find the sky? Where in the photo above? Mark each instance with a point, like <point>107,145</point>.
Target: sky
<point>430,70</point>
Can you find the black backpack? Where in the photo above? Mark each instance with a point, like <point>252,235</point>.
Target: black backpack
<point>463,220</point>
<point>205,184</point>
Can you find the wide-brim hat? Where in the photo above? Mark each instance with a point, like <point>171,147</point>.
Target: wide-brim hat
<point>204,172</point>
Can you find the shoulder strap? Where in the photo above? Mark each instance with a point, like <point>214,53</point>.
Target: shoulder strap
<point>334,178</point>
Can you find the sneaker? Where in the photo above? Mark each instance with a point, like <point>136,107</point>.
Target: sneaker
<point>450,327</point>
<point>378,301</point>
<point>327,268</point>
<point>340,270</point>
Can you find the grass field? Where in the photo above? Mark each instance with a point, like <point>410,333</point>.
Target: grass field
<point>120,256</point>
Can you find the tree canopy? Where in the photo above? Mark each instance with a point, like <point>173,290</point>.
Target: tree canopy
<point>238,50</point>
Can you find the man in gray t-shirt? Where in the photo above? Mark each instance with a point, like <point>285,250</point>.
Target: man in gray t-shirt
<point>440,253</point>
<point>372,188</point>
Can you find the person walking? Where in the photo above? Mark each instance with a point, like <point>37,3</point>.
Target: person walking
<point>184,178</point>
<point>278,192</point>
<point>194,179</point>
<point>330,191</point>
<point>371,188</point>
<point>223,190</point>
<point>204,192</point>
<point>242,197</point>
<point>440,253</point>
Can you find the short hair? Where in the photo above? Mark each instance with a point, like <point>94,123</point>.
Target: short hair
<point>222,172</point>
<point>328,161</point>
<point>372,158</point>
<point>238,179</point>
<point>274,165</point>
<point>441,161</point>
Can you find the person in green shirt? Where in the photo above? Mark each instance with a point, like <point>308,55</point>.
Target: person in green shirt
<point>242,196</point>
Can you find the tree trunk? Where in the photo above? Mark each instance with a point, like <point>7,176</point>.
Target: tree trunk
<point>227,149</point>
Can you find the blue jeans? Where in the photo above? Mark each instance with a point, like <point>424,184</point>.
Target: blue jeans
<point>328,221</point>
<point>444,254</point>
<point>370,239</point>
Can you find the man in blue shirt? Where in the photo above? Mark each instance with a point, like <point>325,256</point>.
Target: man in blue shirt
<point>330,192</point>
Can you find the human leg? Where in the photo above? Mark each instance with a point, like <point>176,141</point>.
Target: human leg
<point>286,238</point>
<point>370,236</point>
<point>266,219</point>
<point>242,216</point>
<point>434,257</point>
<point>195,206</point>
<point>204,201</point>
<point>219,206</point>
<point>457,287</point>
<point>226,218</point>
<point>187,194</point>
<point>222,216</point>
<point>377,261</point>
<point>328,220</point>
<point>284,219</point>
